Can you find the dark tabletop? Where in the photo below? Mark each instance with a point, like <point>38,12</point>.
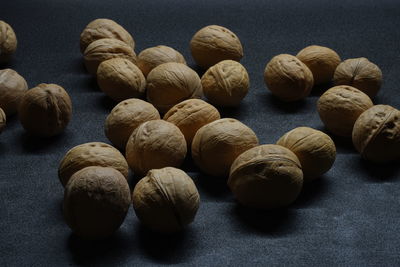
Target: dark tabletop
<point>348,217</point>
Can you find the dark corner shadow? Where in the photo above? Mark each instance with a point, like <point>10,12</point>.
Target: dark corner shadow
<point>282,106</point>
<point>312,191</point>
<point>35,144</point>
<point>200,71</point>
<point>232,112</point>
<point>319,89</point>
<point>215,187</point>
<point>107,103</point>
<point>379,172</point>
<point>343,145</point>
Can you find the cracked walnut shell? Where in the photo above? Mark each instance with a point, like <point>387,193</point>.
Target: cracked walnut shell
<point>3,120</point>
<point>12,87</point>
<point>8,41</point>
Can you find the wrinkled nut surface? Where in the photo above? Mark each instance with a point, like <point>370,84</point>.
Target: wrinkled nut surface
<point>125,118</point>
<point>359,73</point>
<point>171,83</point>
<point>45,110</point>
<point>12,87</point>
<point>103,49</point>
<point>315,150</point>
<point>166,200</point>
<point>217,144</point>
<point>104,28</point>
<point>288,78</point>
<point>322,61</point>
<point>153,145</point>
<point>339,108</point>
<point>151,57</point>
<point>190,115</point>
<point>91,154</point>
<point>213,44</point>
<point>3,120</point>
<point>376,134</point>
<point>96,201</point>
<point>8,41</point>
<point>226,83</point>
<point>266,177</point>
<point>120,79</point>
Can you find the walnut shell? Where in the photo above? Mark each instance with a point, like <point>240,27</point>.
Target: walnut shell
<point>155,144</point>
<point>12,87</point>
<point>3,120</point>
<point>288,78</point>
<point>8,41</point>
<point>45,110</point>
<point>315,150</point>
<point>126,117</point>
<point>151,57</point>
<point>103,49</point>
<point>322,61</point>
<point>190,115</point>
<point>217,144</point>
<point>339,108</point>
<point>91,154</point>
<point>266,177</point>
<point>96,201</point>
<point>376,134</point>
<point>166,200</point>
<point>104,28</point>
<point>213,44</point>
<point>359,73</point>
<point>226,83</point>
<point>171,83</point>
<point>120,79</point>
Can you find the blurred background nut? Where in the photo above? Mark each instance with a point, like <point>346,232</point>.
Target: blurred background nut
<point>315,150</point>
<point>217,144</point>
<point>3,120</point>
<point>376,134</point>
<point>45,110</point>
<point>339,108</point>
<point>91,154</point>
<point>213,44</point>
<point>359,73</point>
<point>8,41</point>
<point>226,83</point>
<point>322,61</point>
<point>125,118</point>
<point>288,78</point>
<point>12,87</point>
<point>166,200</point>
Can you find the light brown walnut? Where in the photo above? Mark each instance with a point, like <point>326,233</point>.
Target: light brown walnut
<point>12,87</point>
<point>3,120</point>
<point>8,42</point>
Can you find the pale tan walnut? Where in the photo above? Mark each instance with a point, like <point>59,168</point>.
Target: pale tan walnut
<point>151,57</point>
<point>359,73</point>
<point>104,49</point>
<point>322,61</point>
<point>315,150</point>
<point>125,118</point>
<point>217,144</point>
<point>266,177</point>
<point>190,115</point>
<point>226,83</point>
<point>96,201</point>
<point>339,108</point>
<point>45,110</point>
<point>8,41</point>
<point>288,78</point>
<point>104,28</point>
<point>213,44</point>
<point>91,154</point>
<point>12,87</point>
<point>376,134</point>
<point>153,145</point>
<point>3,120</point>
<point>171,83</point>
<point>120,79</point>
<point>166,200</point>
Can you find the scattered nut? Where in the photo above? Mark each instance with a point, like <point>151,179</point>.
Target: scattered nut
<point>8,42</point>
<point>3,120</point>
<point>12,87</point>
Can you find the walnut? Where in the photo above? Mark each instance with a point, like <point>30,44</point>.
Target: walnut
<point>8,42</point>
<point>12,87</point>
<point>3,120</point>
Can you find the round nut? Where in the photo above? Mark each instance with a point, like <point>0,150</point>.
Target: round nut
<point>322,61</point>
<point>376,134</point>
<point>3,120</point>
<point>166,200</point>
<point>12,87</point>
<point>359,73</point>
<point>126,117</point>
<point>8,41</point>
<point>217,144</point>
<point>339,108</point>
<point>226,83</point>
<point>288,78</point>
<point>45,110</point>
<point>190,115</point>
<point>153,145</point>
<point>266,177</point>
<point>315,150</point>
<point>213,44</point>
<point>96,201</point>
<point>91,154</point>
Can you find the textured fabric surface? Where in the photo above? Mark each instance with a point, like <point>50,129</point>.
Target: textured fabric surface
<point>350,217</point>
